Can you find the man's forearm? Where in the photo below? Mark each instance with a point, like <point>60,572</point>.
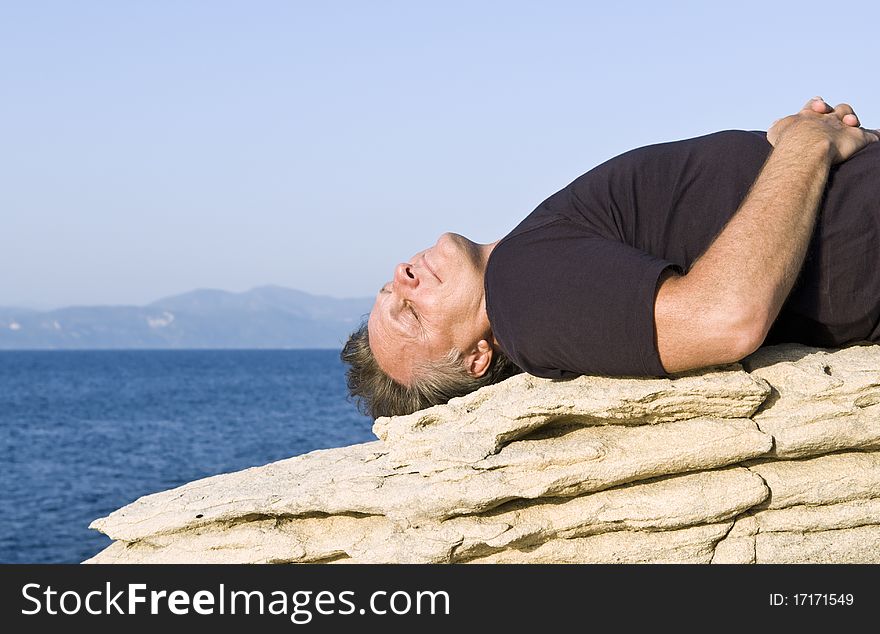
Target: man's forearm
<point>722,309</point>
<point>752,264</point>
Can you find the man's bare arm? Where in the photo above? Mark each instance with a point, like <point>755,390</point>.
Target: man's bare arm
<point>722,309</point>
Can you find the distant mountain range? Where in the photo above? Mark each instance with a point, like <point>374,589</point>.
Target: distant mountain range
<point>263,317</point>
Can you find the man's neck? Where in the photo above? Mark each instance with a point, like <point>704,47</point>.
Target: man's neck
<point>485,252</point>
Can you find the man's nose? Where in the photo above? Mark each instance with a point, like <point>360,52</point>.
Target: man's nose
<point>405,275</point>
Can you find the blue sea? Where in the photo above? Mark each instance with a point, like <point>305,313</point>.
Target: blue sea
<point>85,432</point>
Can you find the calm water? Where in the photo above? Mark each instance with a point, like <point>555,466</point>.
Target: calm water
<point>83,433</point>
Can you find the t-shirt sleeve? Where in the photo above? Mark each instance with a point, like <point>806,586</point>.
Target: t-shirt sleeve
<point>563,301</point>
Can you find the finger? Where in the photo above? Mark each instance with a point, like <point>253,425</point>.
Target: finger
<point>851,120</point>
<point>843,109</point>
<point>817,104</point>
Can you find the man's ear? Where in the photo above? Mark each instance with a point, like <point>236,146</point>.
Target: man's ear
<point>480,358</point>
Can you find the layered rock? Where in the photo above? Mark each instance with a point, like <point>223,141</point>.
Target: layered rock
<point>775,460</point>
<point>821,509</point>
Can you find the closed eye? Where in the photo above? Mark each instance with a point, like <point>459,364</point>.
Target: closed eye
<point>406,303</point>
<point>413,311</point>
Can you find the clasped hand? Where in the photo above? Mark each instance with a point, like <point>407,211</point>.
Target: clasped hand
<point>818,122</point>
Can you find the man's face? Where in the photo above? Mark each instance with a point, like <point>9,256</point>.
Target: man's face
<point>433,303</point>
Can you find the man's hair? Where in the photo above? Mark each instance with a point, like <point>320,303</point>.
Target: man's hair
<point>436,382</point>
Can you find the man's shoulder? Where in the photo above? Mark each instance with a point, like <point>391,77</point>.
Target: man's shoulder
<point>652,173</point>
<point>723,140</point>
<point>664,161</point>
<point>605,199</point>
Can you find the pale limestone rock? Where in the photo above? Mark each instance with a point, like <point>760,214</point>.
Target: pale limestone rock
<point>693,545</point>
<point>846,546</point>
<point>738,546</point>
<point>300,540</point>
<point>588,470</point>
<point>475,426</point>
<point>664,503</point>
<point>827,494</point>
<point>734,550</point>
<point>827,479</point>
<point>322,481</point>
<point>822,401</point>
<point>773,528</point>
<point>826,517</point>
<point>357,479</point>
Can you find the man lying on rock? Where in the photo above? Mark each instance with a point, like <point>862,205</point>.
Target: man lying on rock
<point>667,258</point>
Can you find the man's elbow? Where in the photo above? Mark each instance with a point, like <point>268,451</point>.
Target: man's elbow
<point>745,330</point>
<point>694,331</point>
<point>744,341</point>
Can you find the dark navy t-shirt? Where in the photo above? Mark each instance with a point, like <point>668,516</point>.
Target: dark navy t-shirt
<point>571,289</point>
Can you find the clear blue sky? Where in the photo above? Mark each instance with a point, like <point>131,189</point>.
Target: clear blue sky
<point>148,148</point>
